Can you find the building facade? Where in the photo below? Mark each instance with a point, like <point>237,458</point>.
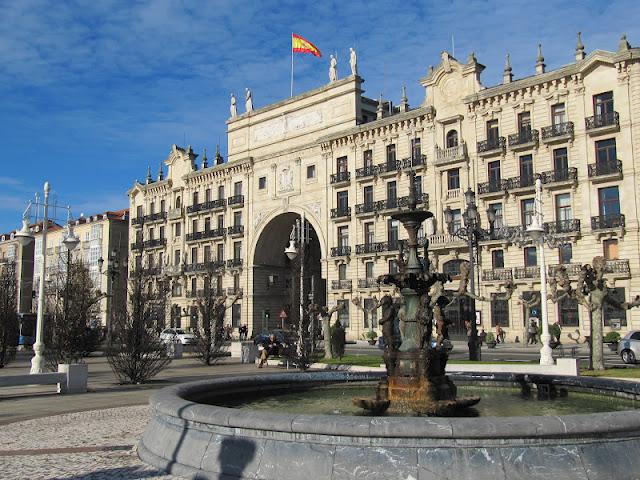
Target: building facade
<point>22,259</point>
<point>342,161</point>
<point>103,248</point>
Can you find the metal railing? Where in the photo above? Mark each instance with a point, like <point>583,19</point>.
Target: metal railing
<point>157,242</point>
<point>420,199</point>
<point>340,212</point>
<point>557,130</point>
<point>367,171</point>
<point>563,226</point>
<point>235,230</point>
<point>524,136</point>
<point>602,222</point>
<point>521,182</point>
<point>389,166</point>
<point>491,144</point>
<point>340,177</point>
<point>342,251</point>
<point>218,232</point>
<point>415,161</point>
<point>236,200</point>
<point>341,284</point>
<point>369,207</point>
<point>492,187</point>
<point>563,175</point>
<point>368,283</point>
<point>376,247</point>
<point>152,217</point>
<point>234,262</point>
<point>610,167</point>
<point>603,120</point>
<point>204,206</point>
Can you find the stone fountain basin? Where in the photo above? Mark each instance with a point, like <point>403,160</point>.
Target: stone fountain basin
<point>202,441</point>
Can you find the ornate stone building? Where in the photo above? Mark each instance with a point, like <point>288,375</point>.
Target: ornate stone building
<point>342,160</point>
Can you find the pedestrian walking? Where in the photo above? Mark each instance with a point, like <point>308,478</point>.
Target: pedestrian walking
<point>499,334</point>
<point>532,332</point>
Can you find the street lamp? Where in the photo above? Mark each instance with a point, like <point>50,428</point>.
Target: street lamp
<point>113,269</point>
<point>299,235</point>
<point>472,234</point>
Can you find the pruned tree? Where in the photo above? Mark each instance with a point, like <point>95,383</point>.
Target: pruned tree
<point>594,294</point>
<point>136,354</point>
<point>8,313</point>
<point>210,329</point>
<point>72,303</point>
<point>326,314</point>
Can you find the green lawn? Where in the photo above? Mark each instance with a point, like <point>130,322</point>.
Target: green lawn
<point>376,361</point>
<point>613,372</point>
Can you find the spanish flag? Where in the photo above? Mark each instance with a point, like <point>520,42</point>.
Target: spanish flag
<point>301,45</point>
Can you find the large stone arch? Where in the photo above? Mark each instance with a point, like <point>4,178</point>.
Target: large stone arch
<point>274,279</point>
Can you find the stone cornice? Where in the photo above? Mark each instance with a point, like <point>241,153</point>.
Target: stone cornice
<point>218,171</point>
<point>162,186</point>
<point>576,68</point>
<point>422,113</point>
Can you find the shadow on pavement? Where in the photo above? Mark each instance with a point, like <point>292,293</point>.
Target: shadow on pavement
<point>119,473</point>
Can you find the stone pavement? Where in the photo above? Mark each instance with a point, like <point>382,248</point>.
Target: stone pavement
<point>92,445</point>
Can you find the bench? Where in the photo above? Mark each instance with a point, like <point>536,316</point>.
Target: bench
<point>69,379</point>
<point>570,350</point>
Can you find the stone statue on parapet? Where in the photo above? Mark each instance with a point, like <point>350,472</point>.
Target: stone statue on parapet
<point>232,108</point>
<point>353,62</point>
<point>248,101</point>
<point>333,69</point>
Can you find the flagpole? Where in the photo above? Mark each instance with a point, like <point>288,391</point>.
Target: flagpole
<point>291,64</point>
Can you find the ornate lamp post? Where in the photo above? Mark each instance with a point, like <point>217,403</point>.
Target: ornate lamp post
<point>112,271</point>
<point>299,235</point>
<point>471,233</point>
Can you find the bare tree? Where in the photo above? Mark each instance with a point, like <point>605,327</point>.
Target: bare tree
<point>136,353</point>
<point>72,303</point>
<point>210,329</point>
<point>593,293</point>
<point>8,313</point>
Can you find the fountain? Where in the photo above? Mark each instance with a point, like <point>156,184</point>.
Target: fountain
<point>232,427</point>
<point>416,380</point>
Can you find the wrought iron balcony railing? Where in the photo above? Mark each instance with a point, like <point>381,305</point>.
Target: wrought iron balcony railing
<point>521,182</point>
<point>236,200</point>
<point>608,119</point>
<point>491,145</point>
<point>376,247</point>
<point>342,251</point>
<point>234,263</point>
<point>492,187</point>
<point>557,130</point>
<point>421,199</point>
<point>564,175</point>
<point>599,169</point>
<point>340,177</point>
<point>563,226</point>
<point>156,242</point>
<point>389,166</point>
<point>369,207</point>
<point>341,284</point>
<point>340,212</point>
<point>137,246</point>
<point>204,266</point>
<point>235,230</point>
<point>602,222</point>
<point>523,137</point>
<point>415,161</point>
<point>367,171</point>
<point>152,217</point>
<point>205,206</point>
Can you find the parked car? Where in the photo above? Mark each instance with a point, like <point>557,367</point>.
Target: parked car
<point>629,347</point>
<point>173,334</point>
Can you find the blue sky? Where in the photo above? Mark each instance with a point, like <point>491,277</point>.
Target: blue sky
<point>91,92</point>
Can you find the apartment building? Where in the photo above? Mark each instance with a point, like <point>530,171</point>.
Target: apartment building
<point>342,161</point>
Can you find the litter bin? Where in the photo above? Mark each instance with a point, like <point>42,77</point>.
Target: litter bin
<point>174,349</point>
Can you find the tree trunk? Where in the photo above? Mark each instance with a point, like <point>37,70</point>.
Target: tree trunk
<point>326,333</point>
<point>597,358</point>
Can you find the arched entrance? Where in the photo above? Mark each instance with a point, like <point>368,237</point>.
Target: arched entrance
<point>276,279</point>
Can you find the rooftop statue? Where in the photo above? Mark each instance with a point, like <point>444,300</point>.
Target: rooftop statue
<point>248,101</point>
<point>232,108</point>
<point>353,62</point>
<point>333,69</point>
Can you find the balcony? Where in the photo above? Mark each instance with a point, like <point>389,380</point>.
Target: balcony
<point>605,171</point>
<point>607,222</point>
<point>389,167</point>
<point>207,206</point>
<point>369,208</point>
<point>341,285</point>
<point>233,291</point>
<point>563,227</point>
<point>204,266</point>
<point>195,236</point>
<point>235,230</point>
<point>560,132</point>
<point>451,155</point>
<point>368,283</point>
<point>151,271</point>
<point>341,213</point>
<point>234,263</point>
<point>340,179</point>
<point>417,161</point>
<point>195,293</point>
<point>453,193</point>
<point>572,269</point>
<point>522,184</point>
<point>491,147</point>
<point>604,123</point>
<point>236,201</point>
<point>175,213</point>
<point>524,139</point>
<point>526,272</point>
<point>376,247</point>
<point>155,243</point>
<point>497,275</point>
<point>137,246</point>
<point>619,268</point>
<point>493,188</point>
<point>444,241</point>
<point>342,251</point>
<point>560,178</point>
<point>422,199</point>
<point>366,172</point>
<point>173,270</point>
<point>151,218</point>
